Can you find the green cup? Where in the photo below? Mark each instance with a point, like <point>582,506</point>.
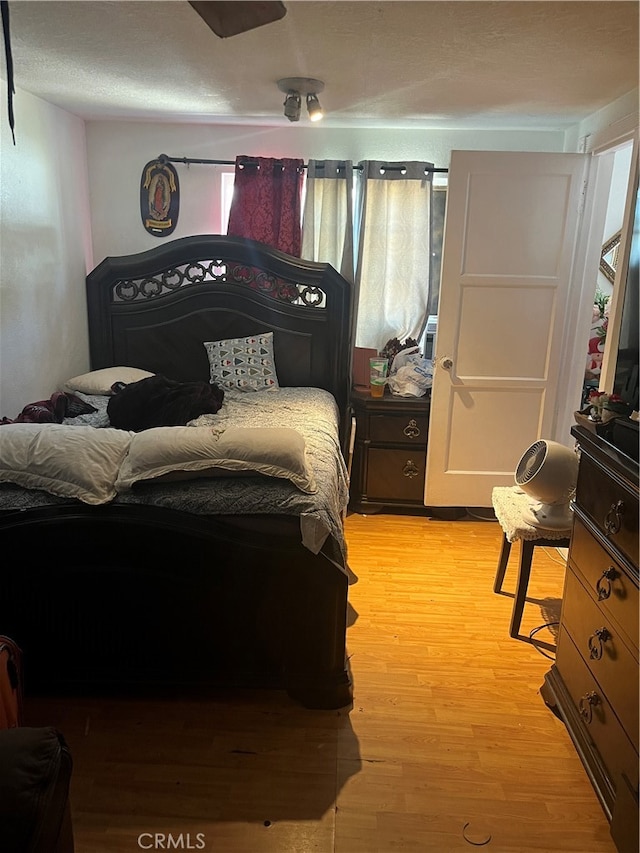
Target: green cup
<point>378,371</point>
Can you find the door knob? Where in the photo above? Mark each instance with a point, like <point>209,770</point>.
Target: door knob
<point>446,362</point>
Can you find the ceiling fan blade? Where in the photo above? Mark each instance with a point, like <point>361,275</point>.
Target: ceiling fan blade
<point>232,18</point>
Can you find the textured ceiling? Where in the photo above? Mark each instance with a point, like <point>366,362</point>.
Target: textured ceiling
<point>391,64</point>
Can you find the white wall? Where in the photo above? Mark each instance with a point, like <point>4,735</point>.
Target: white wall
<point>118,151</point>
<point>605,126</point>
<point>45,251</point>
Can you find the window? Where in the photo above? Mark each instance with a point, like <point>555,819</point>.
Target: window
<point>226,194</point>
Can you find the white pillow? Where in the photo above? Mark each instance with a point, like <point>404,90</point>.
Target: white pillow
<point>79,462</point>
<point>243,364</point>
<point>100,381</point>
<point>185,452</point>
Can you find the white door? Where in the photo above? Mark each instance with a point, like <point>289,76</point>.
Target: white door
<point>509,258</point>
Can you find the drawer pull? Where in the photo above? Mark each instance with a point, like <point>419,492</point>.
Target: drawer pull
<point>613,519</point>
<point>410,469</point>
<point>587,704</point>
<point>603,584</point>
<point>412,430</point>
<point>596,643</point>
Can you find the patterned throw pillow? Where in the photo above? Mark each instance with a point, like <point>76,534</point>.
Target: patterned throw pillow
<point>243,364</point>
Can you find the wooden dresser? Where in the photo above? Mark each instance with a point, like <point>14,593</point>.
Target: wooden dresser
<point>593,685</point>
<point>390,452</point>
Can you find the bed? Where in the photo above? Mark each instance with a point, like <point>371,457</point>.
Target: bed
<point>233,577</point>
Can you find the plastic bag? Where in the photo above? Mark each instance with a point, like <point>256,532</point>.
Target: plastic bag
<point>411,375</point>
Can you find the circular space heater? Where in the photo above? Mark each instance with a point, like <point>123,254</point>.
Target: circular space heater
<point>548,472</point>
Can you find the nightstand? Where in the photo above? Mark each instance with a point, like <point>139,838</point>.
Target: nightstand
<point>390,451</point>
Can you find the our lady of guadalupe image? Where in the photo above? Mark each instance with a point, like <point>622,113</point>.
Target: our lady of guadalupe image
<point>159,198</point>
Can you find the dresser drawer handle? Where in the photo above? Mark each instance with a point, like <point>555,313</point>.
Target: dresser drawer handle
<point>587,704</point>
<point>410,470</point>
<point>603,584</point>
<point>412,430</point>
<point>596,643</point>
<point>613,519</point>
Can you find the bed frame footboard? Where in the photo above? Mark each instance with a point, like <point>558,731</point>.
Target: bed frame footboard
<point>115,600</point>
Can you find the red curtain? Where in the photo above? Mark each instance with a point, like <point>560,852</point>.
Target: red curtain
<point>266,203</point>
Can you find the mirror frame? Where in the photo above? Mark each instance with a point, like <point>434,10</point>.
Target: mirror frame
<point>612,245</point>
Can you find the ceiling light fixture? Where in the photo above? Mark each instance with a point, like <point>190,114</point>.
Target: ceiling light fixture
<point>313,108</point>
<point>297,88</point>
<point>292,105</point>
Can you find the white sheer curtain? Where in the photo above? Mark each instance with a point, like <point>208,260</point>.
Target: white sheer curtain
<point>327,221</point>
<point>392,276</point>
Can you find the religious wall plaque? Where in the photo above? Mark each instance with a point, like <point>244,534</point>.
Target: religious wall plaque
<point>159,198</point>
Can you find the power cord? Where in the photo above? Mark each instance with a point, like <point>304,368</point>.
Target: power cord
<point>535,631</point>
<point>555,557</point>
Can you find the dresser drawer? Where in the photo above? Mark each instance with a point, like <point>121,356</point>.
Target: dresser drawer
<point>612,507</point>
<point>607,582</point>
<point>597,717</point>
<point>403,429</point>
<point>600,643</point>
<point>396,474</point>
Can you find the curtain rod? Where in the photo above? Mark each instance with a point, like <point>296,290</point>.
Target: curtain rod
<point>164,158</point>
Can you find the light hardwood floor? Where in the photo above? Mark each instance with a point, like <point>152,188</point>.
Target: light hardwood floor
<point>448,741</point>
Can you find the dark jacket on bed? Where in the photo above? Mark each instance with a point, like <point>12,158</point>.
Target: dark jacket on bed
<point>158,401</point>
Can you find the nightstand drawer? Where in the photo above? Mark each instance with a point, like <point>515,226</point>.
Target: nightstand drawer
<point>601,645</point>
<point>596,714</point>
<point>396,475</point>
<point>607,582</point>
<point>612,507</point>
<point>405,429</point>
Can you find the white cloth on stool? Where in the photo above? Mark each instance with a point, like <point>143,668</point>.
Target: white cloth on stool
<point>509,504</point>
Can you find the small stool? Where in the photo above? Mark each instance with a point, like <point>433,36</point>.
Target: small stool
<point>509,504</point>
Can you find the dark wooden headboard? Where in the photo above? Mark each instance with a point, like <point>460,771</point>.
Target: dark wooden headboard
<point>154,310</point>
